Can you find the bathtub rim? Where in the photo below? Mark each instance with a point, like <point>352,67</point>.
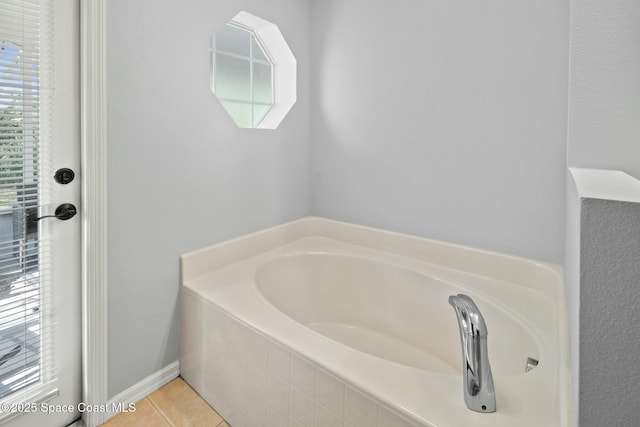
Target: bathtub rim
<point>201,261</point>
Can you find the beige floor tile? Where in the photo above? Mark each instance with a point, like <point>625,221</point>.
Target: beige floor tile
<point>183,407</point>
<point>144,416</point>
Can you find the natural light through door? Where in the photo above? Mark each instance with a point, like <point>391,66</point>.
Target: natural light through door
<point>39,249</point>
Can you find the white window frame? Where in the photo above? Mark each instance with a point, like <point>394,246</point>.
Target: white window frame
<point>283,74</point>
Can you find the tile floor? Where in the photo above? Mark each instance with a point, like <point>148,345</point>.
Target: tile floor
<point>174,405</point>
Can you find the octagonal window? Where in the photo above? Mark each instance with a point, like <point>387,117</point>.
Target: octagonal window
<point>253,72</point>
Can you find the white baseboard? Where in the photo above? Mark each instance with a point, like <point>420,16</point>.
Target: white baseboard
<point>144,388</point>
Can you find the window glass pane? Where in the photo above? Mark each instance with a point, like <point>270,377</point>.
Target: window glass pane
<point>241,113</point>
<point>262,83</point>
<point>20,285</point>
<point>234,40</point>
<point>257,50</point>
<point>243,72</point>
<point>258,113</point>
<point>232,78</point>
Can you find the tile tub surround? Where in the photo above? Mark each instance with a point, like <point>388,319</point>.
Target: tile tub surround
<point>258,367</point>
<point>251,380</point>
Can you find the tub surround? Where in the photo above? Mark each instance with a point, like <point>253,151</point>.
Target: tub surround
<point>602,270</point>
<point>248,347</point>
<point>252,380</point>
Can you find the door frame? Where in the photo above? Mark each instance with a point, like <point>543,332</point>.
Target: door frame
<point>93,107</point>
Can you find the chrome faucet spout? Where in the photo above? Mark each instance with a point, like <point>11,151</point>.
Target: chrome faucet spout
<point>479,392</point>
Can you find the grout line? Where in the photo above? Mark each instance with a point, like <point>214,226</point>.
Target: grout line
<point>316,400</point>
<point>159,411</point>
<point>166,418</point>
<point>344,404</point>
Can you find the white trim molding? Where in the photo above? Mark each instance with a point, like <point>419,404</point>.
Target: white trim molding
<point>94,212</point>
<point>142,389</point>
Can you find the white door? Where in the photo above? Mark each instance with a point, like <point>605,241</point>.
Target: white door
<point>40,300</point>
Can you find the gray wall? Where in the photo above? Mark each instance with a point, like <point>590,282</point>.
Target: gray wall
<point>443,119</point>
<point>603,132</point>
<point>609,315</point>
<point>181,175</point>
<point>604,101</point>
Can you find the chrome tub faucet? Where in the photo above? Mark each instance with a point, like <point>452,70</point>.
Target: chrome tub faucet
<point>479,392</point>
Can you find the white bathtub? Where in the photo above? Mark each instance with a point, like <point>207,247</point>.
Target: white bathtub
<point>321,323</point>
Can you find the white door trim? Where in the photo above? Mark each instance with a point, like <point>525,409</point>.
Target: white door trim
<point>94,206</point>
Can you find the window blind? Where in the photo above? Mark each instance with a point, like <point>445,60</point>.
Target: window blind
<point>27,371</point>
